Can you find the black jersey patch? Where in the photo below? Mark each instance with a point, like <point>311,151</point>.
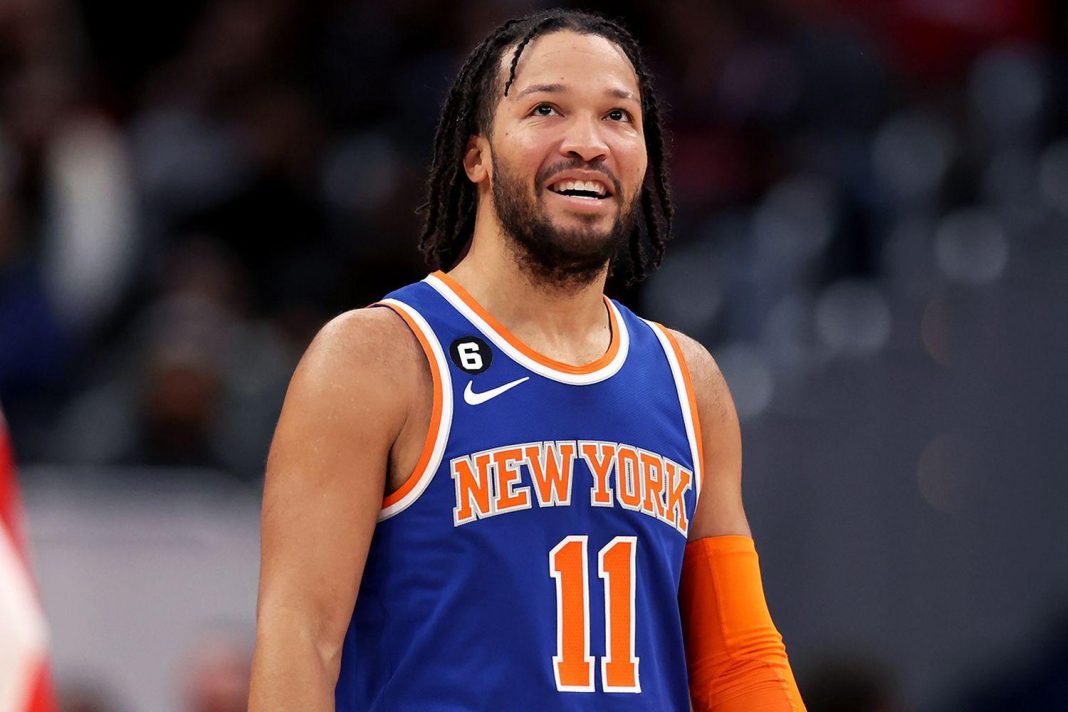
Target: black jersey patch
<point>471,354</point>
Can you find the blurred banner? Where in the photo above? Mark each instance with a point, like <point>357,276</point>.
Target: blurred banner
<point>24,679</point>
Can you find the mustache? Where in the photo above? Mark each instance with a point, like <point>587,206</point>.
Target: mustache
<point>546,175</point>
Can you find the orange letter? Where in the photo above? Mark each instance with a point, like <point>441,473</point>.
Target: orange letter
<point>678,481</point>
<point>653,478</point>
<point>628,482</point>
<point>551,465</point>
<point>506,499</point>
<point>471,488</point>
<point>600,457</point>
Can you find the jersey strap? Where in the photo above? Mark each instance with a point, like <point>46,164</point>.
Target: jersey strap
<point>440,415</point>
<point>687,399</point>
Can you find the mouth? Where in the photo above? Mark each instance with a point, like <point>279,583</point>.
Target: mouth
<point>582,189</point>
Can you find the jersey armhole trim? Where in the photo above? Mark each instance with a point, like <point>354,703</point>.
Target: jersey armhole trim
<point>687,400</point>
<point>437,434</point>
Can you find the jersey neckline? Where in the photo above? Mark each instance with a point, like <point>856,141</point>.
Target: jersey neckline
<point>603,367</point>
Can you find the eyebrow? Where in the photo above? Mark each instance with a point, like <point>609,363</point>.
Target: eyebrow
<point>557,88</point>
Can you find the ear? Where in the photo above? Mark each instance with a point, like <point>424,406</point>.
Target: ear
<point>477,162</point>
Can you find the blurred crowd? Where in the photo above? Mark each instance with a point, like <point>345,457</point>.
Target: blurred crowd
<point>188,190</point>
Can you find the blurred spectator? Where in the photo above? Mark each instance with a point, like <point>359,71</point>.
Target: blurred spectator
<point>34,347</point>
<point>89,242</point>
<point>196,385</point>
<point>179,391</point>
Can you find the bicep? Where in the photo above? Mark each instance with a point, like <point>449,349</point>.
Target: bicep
<point>324,486</point>
<point>719,509</point>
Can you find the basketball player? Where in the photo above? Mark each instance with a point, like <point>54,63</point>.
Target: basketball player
<point>496,489</point>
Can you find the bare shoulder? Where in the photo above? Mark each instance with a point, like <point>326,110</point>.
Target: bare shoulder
<point>373,338</point>
<point>364,369</point>
<point>710,387</point>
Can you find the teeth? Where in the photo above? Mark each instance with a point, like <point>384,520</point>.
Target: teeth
<point>586,185</point>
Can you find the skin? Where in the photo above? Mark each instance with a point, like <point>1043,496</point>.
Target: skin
<point>358,407</point>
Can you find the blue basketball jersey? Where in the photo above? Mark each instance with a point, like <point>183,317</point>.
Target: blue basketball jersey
<point>532,560</point>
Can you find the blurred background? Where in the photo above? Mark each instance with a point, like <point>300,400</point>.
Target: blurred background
<point>872,240</point>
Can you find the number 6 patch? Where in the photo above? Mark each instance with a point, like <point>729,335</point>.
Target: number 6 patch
<point>471,354</point>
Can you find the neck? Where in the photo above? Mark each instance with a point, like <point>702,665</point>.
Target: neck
<point>565,320</point>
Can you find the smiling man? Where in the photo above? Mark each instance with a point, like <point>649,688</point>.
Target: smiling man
<point>497,489</point>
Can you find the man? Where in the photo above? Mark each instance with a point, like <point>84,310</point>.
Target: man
<point>545,455</point>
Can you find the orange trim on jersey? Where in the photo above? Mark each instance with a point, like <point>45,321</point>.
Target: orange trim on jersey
<point>504,333</point>
<point>691,397</point>
<point>435,413</point>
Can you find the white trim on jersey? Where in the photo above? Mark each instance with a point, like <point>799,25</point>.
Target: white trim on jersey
<point>423,478</point>
<point>684,405</point>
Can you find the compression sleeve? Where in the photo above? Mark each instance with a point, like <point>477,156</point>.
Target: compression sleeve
<point>735,657</point>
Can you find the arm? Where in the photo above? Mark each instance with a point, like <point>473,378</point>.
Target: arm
<point>347,405</point>
<point>736,658</point>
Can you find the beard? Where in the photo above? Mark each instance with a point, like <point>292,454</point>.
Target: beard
<point>564,258</point>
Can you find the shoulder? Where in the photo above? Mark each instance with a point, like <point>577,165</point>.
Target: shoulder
<point>370,336</point>
<point>710,387</point>
<point>365,358</point>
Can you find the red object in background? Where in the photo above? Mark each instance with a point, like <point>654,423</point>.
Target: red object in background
<point>942,38</point>
<point>25,681</point>
<point>938,40</point>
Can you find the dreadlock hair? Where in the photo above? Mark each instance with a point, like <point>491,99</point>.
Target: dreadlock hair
<point>469,110</point>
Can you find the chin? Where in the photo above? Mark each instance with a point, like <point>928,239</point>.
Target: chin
<point>599,224</point>
<point>582,232</point>
<point>586,246</point>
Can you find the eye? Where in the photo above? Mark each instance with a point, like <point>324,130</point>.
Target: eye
<point>543,110</point>
<point>619,115</point>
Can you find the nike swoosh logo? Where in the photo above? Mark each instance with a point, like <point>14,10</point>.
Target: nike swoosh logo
<point>472,398</point>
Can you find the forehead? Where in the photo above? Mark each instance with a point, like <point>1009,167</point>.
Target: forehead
<point>573,60</point>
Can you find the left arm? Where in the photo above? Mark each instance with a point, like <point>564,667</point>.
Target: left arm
<point>736,658</point>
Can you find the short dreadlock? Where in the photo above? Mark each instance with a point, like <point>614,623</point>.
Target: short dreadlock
<point>468,111</point>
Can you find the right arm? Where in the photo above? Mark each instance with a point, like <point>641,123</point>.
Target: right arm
<point>347,404</point>
<point>735,656</point>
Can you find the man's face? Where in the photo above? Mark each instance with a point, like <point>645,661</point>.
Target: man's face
<point>568,154</point>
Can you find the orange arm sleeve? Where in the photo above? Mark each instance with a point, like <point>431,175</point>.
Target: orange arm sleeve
<point>736,658</point>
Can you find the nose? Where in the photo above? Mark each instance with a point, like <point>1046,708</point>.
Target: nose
<point>583,140</point>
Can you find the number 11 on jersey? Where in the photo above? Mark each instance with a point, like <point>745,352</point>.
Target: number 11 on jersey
<point>573,665</point>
